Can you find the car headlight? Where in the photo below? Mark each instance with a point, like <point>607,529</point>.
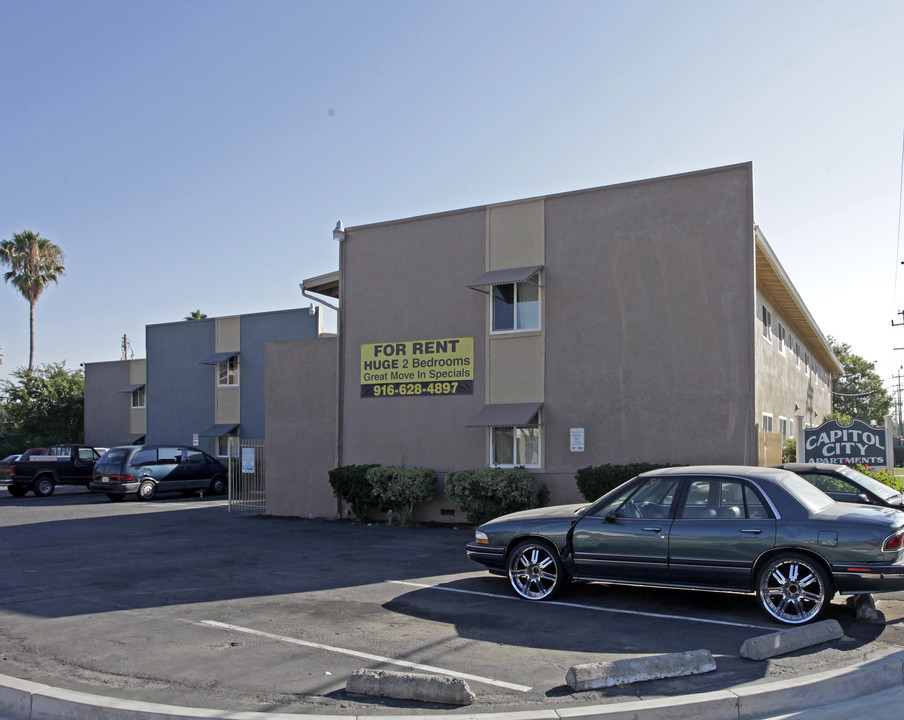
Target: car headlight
<point>481,538</point>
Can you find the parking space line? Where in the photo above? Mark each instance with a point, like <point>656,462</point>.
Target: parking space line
<point>366,656</point>
<point>584,607</point>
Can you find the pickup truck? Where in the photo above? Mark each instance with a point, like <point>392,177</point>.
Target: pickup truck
<point>62,465</point>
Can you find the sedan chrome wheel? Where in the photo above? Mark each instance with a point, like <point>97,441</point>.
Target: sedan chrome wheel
<point>793,589</point>
<point>535,571</point>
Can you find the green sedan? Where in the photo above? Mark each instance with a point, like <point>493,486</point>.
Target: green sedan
<point>739,529</point>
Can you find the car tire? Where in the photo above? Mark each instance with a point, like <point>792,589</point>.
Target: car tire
<point>115,498</point>
<point>17,490</point>
<point>43,486</point>
<point>793,588</point>
<point>535,570</point>
<point>218,485</point>
<point>147,490</point>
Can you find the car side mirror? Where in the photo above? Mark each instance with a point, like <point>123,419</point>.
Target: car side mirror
<point>864,498</point>
<point>611,517</point>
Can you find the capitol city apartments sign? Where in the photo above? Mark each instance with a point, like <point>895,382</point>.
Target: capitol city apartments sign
<point>857,443</point>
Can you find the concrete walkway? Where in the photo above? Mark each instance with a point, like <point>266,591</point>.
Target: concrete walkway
<point>850,693</point>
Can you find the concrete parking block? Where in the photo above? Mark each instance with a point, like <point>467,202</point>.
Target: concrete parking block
<point>410,686</point>
<point>593,676</point>
<point>763,647</point>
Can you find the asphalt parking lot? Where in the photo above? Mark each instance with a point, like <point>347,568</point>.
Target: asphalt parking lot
<point>179,601</point>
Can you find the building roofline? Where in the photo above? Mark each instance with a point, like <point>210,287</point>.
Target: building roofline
<point>775,283</point>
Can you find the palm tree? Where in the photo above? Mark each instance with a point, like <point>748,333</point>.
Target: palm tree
<point>195,315</point>
<point>34,262</point>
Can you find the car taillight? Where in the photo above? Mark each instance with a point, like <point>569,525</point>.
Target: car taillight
<point>12,470</point>
<point>894,543</point>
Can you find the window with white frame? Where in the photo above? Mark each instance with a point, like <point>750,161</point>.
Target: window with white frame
<point>783,427</point>
<point>223,445</point>
<point>516,306</point>
<point>138,397</point>
<point>797,353</point>
<point>767,422</point>
<point>516,446</point>
<point>781,338</point>
<point>807,364</point>
<point>228,371</point>
<point>767,324</point>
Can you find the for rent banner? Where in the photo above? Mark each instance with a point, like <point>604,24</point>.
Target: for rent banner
<point>418,368</point>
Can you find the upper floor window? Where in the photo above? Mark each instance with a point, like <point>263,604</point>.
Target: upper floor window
<point>228,371</point>
<point>516,305</point>
<point>781,338</point>
<point>767,323</point>
<point>138,397</point>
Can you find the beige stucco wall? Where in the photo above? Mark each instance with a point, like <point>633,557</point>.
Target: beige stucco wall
<point>785,387</point>
<point>647,334</point>
<point>301,426</point>
<point>648,328</point>
<point>229,399</point>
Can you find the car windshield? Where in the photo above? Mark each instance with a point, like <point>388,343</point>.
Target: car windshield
<point>874,486</point>
<point>812,497</point>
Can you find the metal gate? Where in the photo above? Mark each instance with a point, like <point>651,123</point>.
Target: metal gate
<point>247,472</point>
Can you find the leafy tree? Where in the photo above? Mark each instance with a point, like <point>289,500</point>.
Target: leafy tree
<point>195,315</point>
<point>858,393</point>
<point>34,261</point>
<point>43,407</point>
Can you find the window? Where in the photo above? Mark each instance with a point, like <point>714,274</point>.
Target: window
<point>516,306</point>
<point>726,499</point>
<point>797,352</point>
<point>783,427</point>
<point>516,446</point>
<point>223,445</point>
<point>767,324</point>
<point>767,422</point>
<point>228,371</point>
<point>195,457</point>
<point>648,498</point>
<point>781,338</point>
<point>807,364</point>
<point>138,397</point>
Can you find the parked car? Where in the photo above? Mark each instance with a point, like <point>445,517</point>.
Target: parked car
<point>4,465</point>
<point>739,529</point>
<point>147,470</point>
<point>60,465</point>
<point>844,484</point>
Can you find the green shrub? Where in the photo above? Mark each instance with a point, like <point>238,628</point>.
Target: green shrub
<point>486,493</point>
<point>596,480</point>
<point>883,476</point>
<point>789,451</point>
<point>398,489</point>
<point>351,486</point>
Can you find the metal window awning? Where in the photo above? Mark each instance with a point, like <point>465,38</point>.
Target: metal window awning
<point>219,430</point>
<point>505,414</point>
<point>500,277</point>
<point>219,357</point>
<point>132,388</point>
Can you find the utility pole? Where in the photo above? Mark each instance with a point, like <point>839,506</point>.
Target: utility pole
<point>898,377</point>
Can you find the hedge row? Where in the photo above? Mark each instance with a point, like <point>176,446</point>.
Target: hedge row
<point>483,493</point>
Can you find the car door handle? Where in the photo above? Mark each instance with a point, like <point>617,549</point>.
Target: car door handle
<point>652,529</point>
<point>755,531</point>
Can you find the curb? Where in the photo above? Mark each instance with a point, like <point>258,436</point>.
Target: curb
<point>25,700</point>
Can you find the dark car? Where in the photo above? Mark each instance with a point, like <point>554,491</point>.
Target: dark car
<point>5,463</point>
<point>740,529</point>
<point>844,484</point>
<point>151,469</point>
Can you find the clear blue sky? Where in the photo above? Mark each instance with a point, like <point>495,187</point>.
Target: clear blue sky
<point>196,154</point>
